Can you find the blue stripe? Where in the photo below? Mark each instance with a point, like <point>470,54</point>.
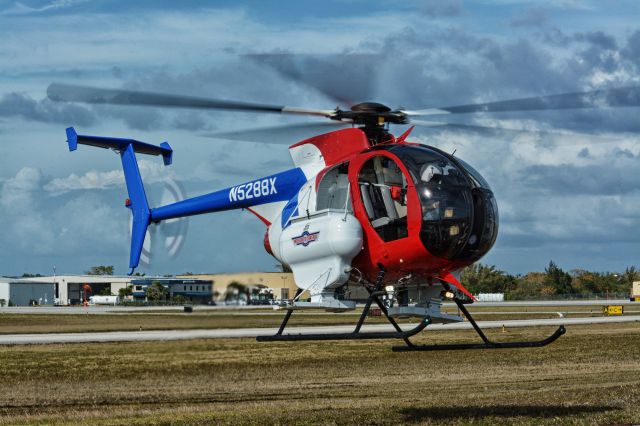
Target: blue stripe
<point>279,187</point>
<point>290,210</point>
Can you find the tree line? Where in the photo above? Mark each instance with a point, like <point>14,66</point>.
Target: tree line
<point>553,282</point>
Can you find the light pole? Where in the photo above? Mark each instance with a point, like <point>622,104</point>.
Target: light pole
<point>55,285</point>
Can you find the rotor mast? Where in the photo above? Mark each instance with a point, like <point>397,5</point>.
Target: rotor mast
<point>374,119</point>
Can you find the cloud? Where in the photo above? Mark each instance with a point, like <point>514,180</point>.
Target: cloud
<point>602,179</point>
<point>93,179</point>
<point>597,38</point>
<point>23,106</point>
<point>20,8</point>
<point>346,78</point>
<point>19,201</point>
<point>631,51</point>
<point>440,8</point>
<point>556,194</point>
<point>533,17</point>
<point>16,191</point>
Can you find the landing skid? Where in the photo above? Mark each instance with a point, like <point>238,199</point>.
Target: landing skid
<point>374,296</point>
<point>356,334</point>
<point>488,344</point>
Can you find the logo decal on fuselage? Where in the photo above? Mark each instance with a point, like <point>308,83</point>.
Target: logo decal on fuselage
<point>257,189</point>
<point>306,238</point>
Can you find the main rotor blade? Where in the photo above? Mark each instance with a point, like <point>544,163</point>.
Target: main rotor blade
<point>619,97</point>
<point>500,132</point>
<point>286,134</point>
<point>505,134</point>
<point>94,95</point>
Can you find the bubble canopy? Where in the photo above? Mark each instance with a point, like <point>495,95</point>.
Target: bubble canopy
<point>459,211</point>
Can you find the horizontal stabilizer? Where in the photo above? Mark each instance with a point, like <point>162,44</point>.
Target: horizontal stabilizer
<point>119,144</point>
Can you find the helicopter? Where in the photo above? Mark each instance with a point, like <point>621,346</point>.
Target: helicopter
<point>362,212</point>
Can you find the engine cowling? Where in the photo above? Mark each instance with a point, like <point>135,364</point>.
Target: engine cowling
<point>319,248</point>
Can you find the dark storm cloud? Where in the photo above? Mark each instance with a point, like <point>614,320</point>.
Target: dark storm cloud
<point>554,37</point>
<point>23,106</point>
<point>631,51</point>
<point>597,38</point>
<point>438,8</point>
<point>192,120</point>
<point>411,67</point>
<point>346,78</point>
<point>584,153</point>
<point>136,118</point>
<point>535,239</point>
<point>601,179</point>
<point>533,17</point>
<point>449,67</point>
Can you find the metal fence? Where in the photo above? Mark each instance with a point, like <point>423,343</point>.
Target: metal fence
<point>573,296</point>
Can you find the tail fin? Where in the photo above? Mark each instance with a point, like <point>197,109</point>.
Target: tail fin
<point>137,201</point>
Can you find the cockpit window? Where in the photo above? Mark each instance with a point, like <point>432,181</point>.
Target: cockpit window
<point>333,191</point>
<point>477,177</point>
<point>459,214</point>
<point>428,166</point>
<point>383,188</point>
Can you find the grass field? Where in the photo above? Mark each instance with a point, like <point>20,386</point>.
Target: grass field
<point>589,376</point>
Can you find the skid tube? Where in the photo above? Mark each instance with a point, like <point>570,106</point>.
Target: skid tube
<point>488,344</point>
<point>374,296</point>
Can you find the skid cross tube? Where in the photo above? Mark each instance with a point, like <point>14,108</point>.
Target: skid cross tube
<point>288,315</point>
<point>374,296</point>
<point>488,344</point>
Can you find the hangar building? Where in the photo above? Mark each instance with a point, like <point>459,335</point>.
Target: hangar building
<point>200,288</point>
<point>68,288</point>
<point>25,293</point>
<point>281,282</point>
<point>193,290</point>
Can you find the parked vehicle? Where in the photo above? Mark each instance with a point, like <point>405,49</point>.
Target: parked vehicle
<point>104,300</point>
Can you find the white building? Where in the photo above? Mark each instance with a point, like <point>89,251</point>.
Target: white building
<point>68,289</point>
<point>25,292</point>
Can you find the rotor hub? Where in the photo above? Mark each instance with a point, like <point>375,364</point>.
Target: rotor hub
<point>371,107</point>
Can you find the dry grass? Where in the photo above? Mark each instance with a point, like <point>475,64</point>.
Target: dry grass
<point>36,323</point>
<point>589,376</point>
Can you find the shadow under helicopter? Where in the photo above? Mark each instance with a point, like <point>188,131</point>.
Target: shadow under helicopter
<point>416,414</point>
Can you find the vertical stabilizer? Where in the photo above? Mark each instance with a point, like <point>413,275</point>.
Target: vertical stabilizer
<point>137,203</point>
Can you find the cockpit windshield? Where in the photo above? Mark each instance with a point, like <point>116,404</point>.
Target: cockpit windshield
<point>459,214</point>
<point>473,173</point>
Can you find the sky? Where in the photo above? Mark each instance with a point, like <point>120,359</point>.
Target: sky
<point>567,182</point>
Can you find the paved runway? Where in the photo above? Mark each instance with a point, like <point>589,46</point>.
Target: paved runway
<point>590,302</point>
<point>97,310</point>
<point>162,335</point>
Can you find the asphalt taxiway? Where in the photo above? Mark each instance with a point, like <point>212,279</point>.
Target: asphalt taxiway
<point>105,309</point>
<point>163,335</point>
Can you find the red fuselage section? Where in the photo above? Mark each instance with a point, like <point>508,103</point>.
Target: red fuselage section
<point>423,212</point>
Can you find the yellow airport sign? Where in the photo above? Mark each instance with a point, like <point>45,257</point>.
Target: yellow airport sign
<point>613,310</point>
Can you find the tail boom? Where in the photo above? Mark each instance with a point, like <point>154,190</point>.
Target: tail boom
<point>271,189</point>
<point>267,193</point>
